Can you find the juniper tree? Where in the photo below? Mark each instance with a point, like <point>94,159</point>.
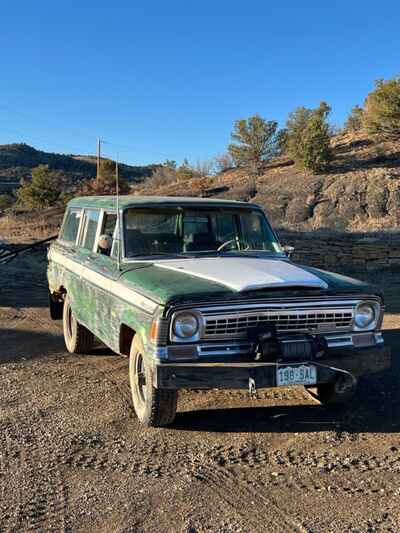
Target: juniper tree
<point>308,137</point>
<point>382,109</point>
<point>43,190</point>
<point>354,121</point>
<point>255,142</point>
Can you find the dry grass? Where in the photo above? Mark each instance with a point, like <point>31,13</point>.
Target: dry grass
<point>30,226</point>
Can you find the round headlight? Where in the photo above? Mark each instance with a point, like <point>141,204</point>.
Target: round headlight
<point>186,325</point>
<point>364,315</point>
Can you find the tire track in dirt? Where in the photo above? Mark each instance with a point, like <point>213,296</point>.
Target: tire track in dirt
<point>110,370</point>
<point>38,500</point>
<point>261,511</point>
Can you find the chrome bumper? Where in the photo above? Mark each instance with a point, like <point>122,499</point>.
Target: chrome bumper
<point>201,351</point>
<point>200,375</point>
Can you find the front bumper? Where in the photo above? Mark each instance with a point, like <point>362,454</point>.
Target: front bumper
<point>229,375</point>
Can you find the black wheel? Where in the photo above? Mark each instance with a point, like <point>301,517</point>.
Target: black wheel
<point>337,394</point>
<point>78,339</point>
<point>153,407</point>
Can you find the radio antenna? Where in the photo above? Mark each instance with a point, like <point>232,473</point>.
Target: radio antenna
<point>118,216</point>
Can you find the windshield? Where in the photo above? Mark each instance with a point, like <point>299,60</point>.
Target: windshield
<point>150,231</point>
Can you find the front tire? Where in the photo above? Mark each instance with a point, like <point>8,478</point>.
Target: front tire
<point>78,339</point>
<point>154,407</point>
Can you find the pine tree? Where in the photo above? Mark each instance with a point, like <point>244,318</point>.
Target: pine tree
<point>43,190</point>
<point>308,137</point>
<point>382,109</point>
<point>354,121</point>
<point>255,142</point>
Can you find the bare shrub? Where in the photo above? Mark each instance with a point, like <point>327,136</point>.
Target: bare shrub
<point>223,162</point>
<point>203,168</point>
<point>162,176</point>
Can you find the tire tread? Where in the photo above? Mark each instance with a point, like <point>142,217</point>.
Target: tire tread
<point>160,407</point>
<point>82,339</point>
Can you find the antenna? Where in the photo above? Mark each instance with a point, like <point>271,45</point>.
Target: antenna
<point>118,216</point>
<point>98,167</point>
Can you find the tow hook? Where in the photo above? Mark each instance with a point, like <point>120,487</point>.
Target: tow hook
<point>344,383</point>
<point>252,387</point>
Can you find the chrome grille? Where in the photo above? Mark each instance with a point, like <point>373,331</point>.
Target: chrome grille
<point>287,320</point>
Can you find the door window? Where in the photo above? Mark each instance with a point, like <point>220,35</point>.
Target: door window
<point>108,228</point>
<point>90,229</point>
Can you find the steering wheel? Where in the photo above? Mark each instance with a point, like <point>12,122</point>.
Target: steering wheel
<point>236,241</point>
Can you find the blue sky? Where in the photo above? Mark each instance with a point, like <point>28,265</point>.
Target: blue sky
<point>167,79</point>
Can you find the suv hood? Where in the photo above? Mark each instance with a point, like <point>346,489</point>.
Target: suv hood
<point>184,281</point>
<point>246,274</point>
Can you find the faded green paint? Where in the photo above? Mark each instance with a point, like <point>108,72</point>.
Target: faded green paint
<point>100,311</point>
<point>339,282</point>
<point>163,285</point>
<point>110,202</point>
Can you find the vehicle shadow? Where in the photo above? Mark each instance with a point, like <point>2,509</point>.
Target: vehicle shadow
<point>19,345</point>
<point>374,409</point>
<point>23,281</point>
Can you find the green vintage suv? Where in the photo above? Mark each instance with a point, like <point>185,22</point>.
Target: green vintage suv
<point>200,294</point>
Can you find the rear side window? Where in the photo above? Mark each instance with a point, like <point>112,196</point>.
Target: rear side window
<point>70,227</point>
<point>90,229</point>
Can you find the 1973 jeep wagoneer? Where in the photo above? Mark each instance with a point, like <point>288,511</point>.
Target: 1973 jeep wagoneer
<point>200,294</point>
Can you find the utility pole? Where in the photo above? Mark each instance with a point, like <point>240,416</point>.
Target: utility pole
<point>98,168</point>
<point>116,178</point>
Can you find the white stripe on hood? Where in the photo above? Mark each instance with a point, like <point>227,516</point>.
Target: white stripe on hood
<point>245,273</point>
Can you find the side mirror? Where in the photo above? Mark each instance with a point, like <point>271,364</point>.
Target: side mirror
<point>288,250</point>
<point>105,242</point>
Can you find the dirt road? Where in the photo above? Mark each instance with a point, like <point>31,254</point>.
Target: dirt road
<point>73,456</point>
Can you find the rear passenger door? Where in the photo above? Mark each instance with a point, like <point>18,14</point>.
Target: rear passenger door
<point>64,268</point>
<point>88,281</point>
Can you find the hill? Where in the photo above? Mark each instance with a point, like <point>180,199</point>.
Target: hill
<point>17,161</point>
<point>360,192</point>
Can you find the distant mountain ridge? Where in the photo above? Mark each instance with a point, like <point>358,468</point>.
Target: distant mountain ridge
<point>17,161</point>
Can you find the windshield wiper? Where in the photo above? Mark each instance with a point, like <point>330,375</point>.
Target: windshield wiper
<point>153,254</point>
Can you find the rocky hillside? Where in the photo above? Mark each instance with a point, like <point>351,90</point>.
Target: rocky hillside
<point>17,161</point>
<point>360,192</point>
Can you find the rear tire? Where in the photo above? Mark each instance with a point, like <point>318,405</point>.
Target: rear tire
<point>154,407</point>
<point>78,339</point>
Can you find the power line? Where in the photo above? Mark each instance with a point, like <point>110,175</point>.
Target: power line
<point>127,148</point>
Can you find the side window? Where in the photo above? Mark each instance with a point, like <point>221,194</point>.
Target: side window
<point>90,229</point>
<point>70,227</point>
<point>108,228</point>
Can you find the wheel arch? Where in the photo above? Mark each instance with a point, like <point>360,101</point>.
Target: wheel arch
<point>56,302</point>
<point>126,336</point>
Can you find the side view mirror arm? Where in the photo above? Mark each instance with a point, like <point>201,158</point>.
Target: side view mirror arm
<point>288,250</point>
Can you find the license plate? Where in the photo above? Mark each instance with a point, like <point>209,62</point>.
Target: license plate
<point>296,375</point>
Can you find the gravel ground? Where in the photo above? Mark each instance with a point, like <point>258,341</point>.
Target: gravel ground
<point>73,456</point>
